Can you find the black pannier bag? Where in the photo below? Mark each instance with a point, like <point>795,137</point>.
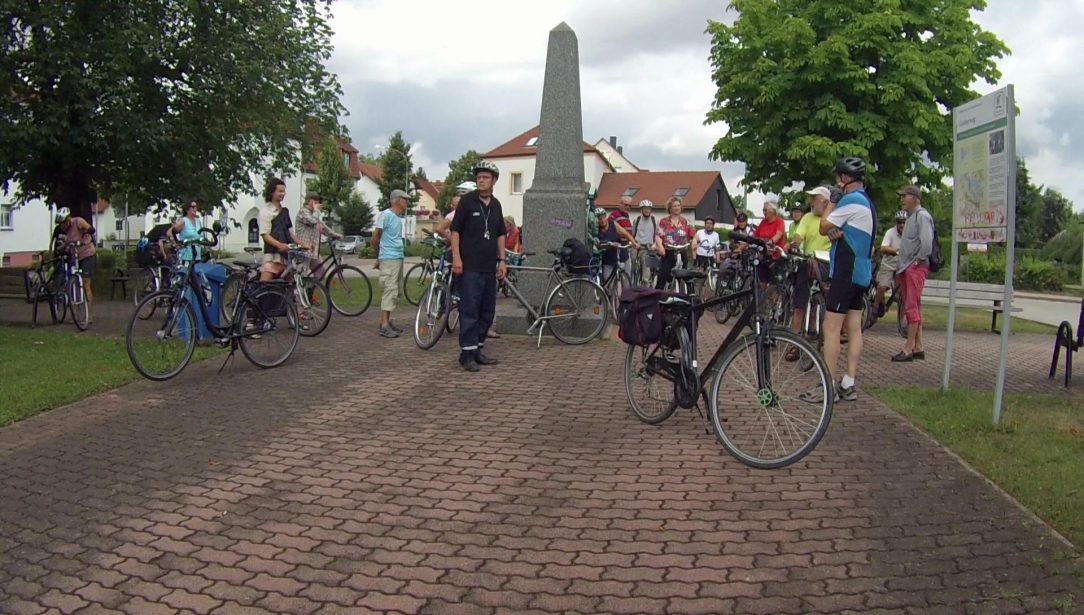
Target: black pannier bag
<point>576,257</point>
<point>639,316</point>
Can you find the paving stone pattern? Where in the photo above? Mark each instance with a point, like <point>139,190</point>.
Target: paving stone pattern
<point>369,476</point>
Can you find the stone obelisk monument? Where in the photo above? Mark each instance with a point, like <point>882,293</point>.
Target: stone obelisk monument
<point>554,207</point>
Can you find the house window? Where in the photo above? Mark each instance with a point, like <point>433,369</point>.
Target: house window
<point>681,192</point>
<point>517,183</point>
<point>120,224</point>
<point>5,216</point>
<point>630,191</point>
<point>532,142</point>
<point>5,261</point>
<point>346,159</point>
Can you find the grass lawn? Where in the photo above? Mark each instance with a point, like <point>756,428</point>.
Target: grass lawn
<point>34,382</point>
<point>935,318</point>
<point>1037,454</point>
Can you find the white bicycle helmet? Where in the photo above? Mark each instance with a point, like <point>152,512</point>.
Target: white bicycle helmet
<point>465,187</point>
<point>646,203</point>
<point>486,165</point>
<point>63,214</point>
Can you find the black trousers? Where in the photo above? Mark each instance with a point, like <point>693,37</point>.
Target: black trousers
<point>477,306</point>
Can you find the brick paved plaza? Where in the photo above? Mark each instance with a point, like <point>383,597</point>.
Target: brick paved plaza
<point>369,476</point>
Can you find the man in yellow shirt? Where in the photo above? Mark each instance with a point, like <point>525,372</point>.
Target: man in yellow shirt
<point>807,237</point>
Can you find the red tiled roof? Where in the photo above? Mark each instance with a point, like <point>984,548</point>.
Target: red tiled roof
<point>101,206</point>
<point>655,186</point>
<point>345,147</point>
<point>517,146</point>
<point>428,187</point>
<point>372,171</point>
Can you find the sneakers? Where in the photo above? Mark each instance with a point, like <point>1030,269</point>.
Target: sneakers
<point>816,395</point>
<point>388,332</point>
<point>395,327</point>
<point>846,393</point>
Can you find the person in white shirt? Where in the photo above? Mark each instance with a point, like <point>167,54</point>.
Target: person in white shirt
<point>707,244</point>
<point>444,228</point>
<point>890,249</point>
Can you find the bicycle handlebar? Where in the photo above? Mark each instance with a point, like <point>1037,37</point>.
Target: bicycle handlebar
<point>609,245</point>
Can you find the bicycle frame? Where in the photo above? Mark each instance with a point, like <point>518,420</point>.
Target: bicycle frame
<point>554,280</point>
<point>222,334</point>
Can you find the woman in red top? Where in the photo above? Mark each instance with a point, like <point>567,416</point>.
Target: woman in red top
<point>773,230</point>
<point>673,230</point>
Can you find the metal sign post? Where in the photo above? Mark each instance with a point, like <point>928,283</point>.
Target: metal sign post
<point>984,203</point>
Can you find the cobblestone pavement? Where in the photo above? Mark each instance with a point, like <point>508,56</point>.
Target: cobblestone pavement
<point>369,476</point>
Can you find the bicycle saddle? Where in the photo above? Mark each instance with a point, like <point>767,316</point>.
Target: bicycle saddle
<point>253,249</point>
<point>686,274</point>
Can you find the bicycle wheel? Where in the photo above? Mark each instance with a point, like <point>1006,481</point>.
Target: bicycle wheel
<point>432,317</point>
<point>416,281</point>
<point>60,302</point>
<point>617,286</point>
<point>270,331</point>
<point>77,303</point>
<point>453,311</point>
<point>581,308</point>
<point>314,309</point>
<point>775,304</point>
<point>773,421</point>
<point>230,296</point>
<point>350,289</point>
<point>650,393</point>
<point>161,347</point>
<point>145,284</point>
<point>901,320</point>
<point>867,312</point>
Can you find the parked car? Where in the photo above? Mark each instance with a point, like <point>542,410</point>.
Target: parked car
<point>351,244</point>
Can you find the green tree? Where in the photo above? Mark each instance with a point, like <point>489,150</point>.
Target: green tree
<point>1029,203</point>
<point>459,170</point>
<point>1055,213</point>
<point>159,99</point>
<point>333,181</point>
<point>802,83</point>
<point>355,214</point>
<point>397,167</point>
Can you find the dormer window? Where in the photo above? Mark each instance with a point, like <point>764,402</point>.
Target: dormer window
<point>681,192</point>
<point>532,142</point>
<point>630,191</point>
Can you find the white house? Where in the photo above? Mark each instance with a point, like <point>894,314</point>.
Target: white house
<point>515,159</point>
<point>24,231</point>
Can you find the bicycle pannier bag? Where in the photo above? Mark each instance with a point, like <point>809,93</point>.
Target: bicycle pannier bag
<point>639,316</point>
<point>576,257</point>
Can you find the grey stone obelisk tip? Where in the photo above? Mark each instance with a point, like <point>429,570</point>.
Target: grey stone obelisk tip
<point>555,206</point>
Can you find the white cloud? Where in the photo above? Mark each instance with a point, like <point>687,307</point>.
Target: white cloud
<point>454,75</point>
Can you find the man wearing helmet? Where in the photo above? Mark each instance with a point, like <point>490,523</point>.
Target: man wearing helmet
<point>446,223</point>
<point>73,229</point>
<point>886,272</point>
<point>478,252</point>
<point>849,224</point>
<point>643,235</point>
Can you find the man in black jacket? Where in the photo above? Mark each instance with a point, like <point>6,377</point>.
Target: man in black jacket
<point>478,260</point>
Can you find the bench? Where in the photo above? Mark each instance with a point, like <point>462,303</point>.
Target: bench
<point>13,283</point>
<point>969,294</point>
<point>121,276</point>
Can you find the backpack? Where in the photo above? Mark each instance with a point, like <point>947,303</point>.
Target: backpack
<point>636,226</point>
<point>937,259</point>
<point>639,316</point>
<point>575,257</point>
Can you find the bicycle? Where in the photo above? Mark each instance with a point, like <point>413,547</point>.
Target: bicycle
<point>617,280</point>
<point>348,287</point>
<point>417,278</point>
<point>736,275</point>
<point>438,310</point>
<point>575,309</point>
<point>263,323</point>
<point>310,294</point>
<point>765,423</point>
<point>681,251</point>
<point>155,277</point>
<point>644,274</point>
<point>63,288</point>
<point>894,295</point>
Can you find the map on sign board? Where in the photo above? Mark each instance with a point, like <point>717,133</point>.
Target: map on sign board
<point>984,165</point>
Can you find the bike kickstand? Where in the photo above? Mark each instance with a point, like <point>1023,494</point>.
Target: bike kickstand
<point>233,349</point>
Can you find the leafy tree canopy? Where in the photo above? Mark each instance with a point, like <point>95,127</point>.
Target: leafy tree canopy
<point>159,99</point>
<point>355,214</point>
<point>459,170</point>
<point>333,181</point>
<point>802,83</point>
<point>398,168</point>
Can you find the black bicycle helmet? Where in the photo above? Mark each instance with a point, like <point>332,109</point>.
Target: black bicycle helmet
<point>851,167</point>
<point>741,217</point>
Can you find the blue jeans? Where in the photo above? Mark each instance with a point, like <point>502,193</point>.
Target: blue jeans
<point>477,305</point>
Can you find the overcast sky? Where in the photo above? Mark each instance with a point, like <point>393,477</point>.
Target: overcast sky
<point>455,76</point>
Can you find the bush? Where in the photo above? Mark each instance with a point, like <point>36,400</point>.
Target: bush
<point>1065,247</point>
<point>107,261</point>
<point>1031,273</point>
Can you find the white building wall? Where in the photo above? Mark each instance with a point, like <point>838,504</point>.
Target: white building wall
<point>30,229</point>
<point>593,168</point>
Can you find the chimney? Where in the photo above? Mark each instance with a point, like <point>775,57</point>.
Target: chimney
<point>613,142</point>
<point>620,149</point>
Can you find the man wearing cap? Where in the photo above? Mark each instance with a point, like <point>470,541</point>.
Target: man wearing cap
<point>809,240</point>
<point>388,246</point>
<point>311,229</point>
<point>912,267</point>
